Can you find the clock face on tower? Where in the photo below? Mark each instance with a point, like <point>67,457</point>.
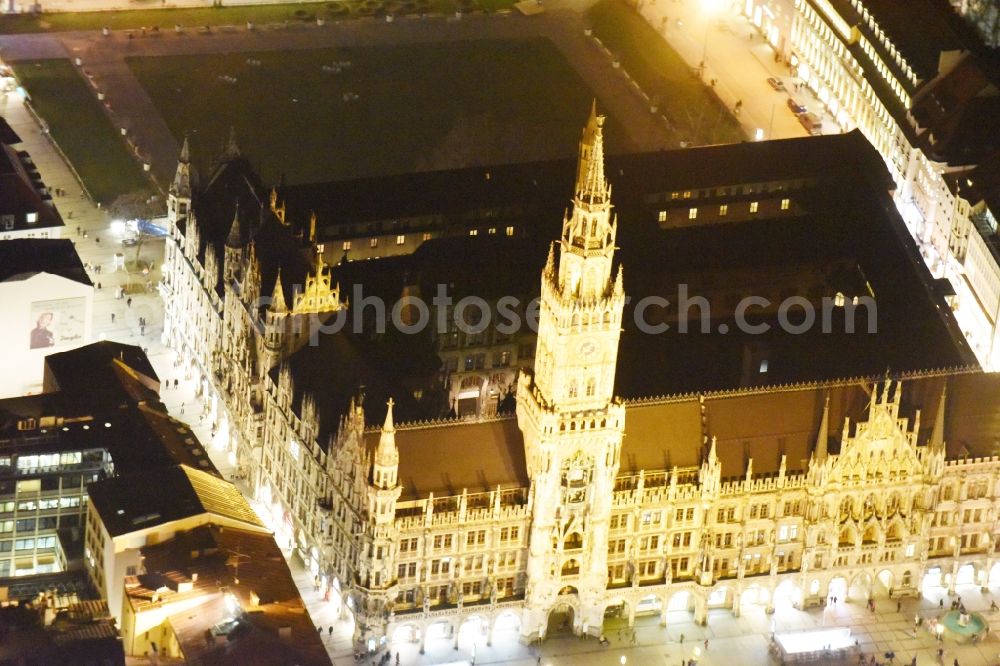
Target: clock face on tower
<point>586,349</point>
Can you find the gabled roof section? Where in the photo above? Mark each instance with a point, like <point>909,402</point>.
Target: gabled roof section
<point>451,456</point>
<point>155,497</point>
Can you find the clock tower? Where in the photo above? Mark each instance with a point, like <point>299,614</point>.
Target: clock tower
<point>571,422</point>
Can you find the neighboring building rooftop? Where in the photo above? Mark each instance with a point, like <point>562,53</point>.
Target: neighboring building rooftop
<point>158,496</point>
<point>199,569</point>
<point>80,635</point>
<point>22,258</point>
<point>25,204</point>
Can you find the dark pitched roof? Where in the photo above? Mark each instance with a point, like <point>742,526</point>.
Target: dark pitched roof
<point>22,192</point>
<point>448,457</point>
<point>89,368</point>
<point>24,257</point>
<point>167,494</point>
<point>7,133</point>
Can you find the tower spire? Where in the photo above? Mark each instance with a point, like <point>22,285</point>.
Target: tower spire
<point>591,185</point>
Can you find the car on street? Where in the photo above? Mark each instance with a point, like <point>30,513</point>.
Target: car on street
<point>776,83</point>
<point>812,123</point>
<point>796,108</point>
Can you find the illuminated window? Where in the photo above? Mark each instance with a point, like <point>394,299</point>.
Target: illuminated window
<point>692,213</point>
<point>753,206</point>
<point>473,232</point>
<point>293,448</point>
<point>784,204</point>
<point>687,195</point>
<point>373,242</point>
<point>427,236</point>
<point>346,246</point>
<point>32,218</point>
<point>723,210</point>
<point>662,217</point>
<point>400,239</point>
<point>510,231</point>
<point>492,231</point>
<point>763,365</point>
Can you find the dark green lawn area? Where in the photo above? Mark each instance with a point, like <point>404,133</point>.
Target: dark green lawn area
<point>259,14</point>
<point>688,104</point>
<point>418,107</point>
<point>78,124</point>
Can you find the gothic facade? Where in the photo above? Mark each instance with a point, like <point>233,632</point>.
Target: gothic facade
<point>583,501</point>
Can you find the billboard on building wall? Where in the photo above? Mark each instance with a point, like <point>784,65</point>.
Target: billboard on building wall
<point>57,323</point>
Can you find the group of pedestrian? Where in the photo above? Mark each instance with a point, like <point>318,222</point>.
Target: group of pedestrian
<point>142,325</point>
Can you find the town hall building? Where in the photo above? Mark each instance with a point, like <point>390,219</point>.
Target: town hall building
<point>622,471</point>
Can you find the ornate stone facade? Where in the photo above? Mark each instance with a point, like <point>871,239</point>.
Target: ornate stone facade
<point>569,509</point>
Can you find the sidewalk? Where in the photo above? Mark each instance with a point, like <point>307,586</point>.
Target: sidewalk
<point>739,63</point>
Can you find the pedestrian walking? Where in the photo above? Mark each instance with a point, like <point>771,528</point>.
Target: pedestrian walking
<point>175,383</point>
<point>142,329</point>
<point>129,301</point>
<point>899,606</point>
<point>98,286</point>
<point>112,317</point>
<point>182,408</point>
<point>706,645</point>
<point>97,239</point>
<point>330,633</point>
<point>682,639</point>
<point>78,231</point>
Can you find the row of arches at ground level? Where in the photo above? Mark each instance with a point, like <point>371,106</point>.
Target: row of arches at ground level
<point>685,603</point>
<point>469,629</point>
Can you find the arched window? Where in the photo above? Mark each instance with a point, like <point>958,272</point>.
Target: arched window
<point>591,387</point>
<point>572,389</point>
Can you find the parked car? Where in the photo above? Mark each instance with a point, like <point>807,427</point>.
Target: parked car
<point>812,122</point>
<point>796,108</point>
<point>776,83</point>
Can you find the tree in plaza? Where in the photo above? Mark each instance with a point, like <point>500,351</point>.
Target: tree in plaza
<point>138,205</point>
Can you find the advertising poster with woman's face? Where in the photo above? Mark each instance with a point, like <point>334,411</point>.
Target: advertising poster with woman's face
<point>57,323</point>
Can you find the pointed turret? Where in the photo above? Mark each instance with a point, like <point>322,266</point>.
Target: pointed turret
<point>712,455</point>
<point>231,258</point>
<point>387,455</point>
<point>823,436</point>
<point>278,305</point>
<point>937,434</point>
<point>550,263</point>
<point>181,187</point>
<point>591,186</point>
<point>235,237</point>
